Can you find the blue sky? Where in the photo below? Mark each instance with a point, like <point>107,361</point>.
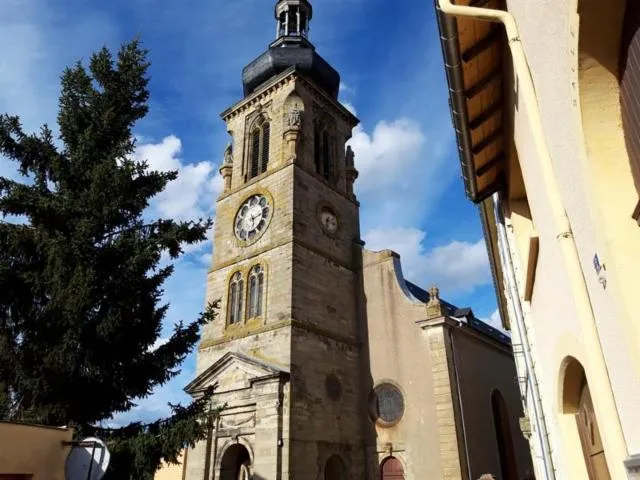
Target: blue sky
<point>390,62</point>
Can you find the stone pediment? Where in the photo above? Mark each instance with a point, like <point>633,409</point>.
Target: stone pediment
<point>234,371</point>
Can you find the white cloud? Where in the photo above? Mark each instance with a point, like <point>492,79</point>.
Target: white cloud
<point>403,171</point>
<point>192,194</point>
<point>495,320</point>
<point>349,106</point>
<point>455,267</point>
<point>158,343</point>
<point>386,156</point>
<point>206,259</point>
<point>344,88</point>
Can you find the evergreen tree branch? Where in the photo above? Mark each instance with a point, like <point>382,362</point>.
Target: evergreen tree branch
<point>80,282</point>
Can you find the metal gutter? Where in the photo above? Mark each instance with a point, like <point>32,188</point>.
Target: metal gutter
<point>457,101</point>
<point>514,299</point>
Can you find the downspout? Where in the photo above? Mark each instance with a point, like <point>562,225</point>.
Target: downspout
<point>609,411</point>
<point>514,299</point>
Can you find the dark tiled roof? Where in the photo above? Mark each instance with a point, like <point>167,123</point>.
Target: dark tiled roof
<point>463,312</point>
<point>456,312</point>
<point>423,296</point>
<point>278,59</point>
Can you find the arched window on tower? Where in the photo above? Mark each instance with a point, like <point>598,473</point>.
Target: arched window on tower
<point>317,141</point>
<point>326,155</point>
<point>256,290</point>
<point>259,147</point>
<point>323,151</point>
<point>236,288</point>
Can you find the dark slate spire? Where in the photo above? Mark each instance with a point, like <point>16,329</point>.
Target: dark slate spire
<point>292,48</point>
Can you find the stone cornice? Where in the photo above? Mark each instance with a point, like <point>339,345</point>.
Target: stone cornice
<point>294,240</point>
<point>286,164</point>
<point>289,75</point>
<point>450,323</point>
<point>277,326</point>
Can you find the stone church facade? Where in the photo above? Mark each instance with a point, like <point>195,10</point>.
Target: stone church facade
<point>329,363</point>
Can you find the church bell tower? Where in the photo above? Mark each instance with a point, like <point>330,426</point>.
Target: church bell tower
<point>284,353</point>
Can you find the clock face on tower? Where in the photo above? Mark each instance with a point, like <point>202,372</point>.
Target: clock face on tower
<point>252,217</point>
<point>328,220</point>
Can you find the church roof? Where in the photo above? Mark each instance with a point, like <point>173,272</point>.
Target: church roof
<point>466,313</point>
<point>277,59</point>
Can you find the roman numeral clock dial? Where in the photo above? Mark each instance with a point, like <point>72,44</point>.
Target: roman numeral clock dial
<point>252,218</point>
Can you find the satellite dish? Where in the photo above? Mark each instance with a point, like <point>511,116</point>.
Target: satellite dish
<point>88,460</point>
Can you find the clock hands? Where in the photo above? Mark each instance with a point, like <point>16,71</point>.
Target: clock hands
<point>251,217</point>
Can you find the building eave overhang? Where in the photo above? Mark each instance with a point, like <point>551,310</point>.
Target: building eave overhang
<point>474,54</point>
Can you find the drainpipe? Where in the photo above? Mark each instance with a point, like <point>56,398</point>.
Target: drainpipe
<point>514,300</point>
<point>608,409</point>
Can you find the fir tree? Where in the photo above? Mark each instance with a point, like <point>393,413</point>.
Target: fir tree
<point>80,276</point>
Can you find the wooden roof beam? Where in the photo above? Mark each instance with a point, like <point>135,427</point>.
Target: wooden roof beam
<point>485,115</point>
<point>489,40</point>
<point>498,159</point>
<point>481,84</point>
<point>477,149</point>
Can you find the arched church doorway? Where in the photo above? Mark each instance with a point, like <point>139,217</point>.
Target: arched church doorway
<point>391,469</point>
<point>592,447</point>
<point>335,469</point>
<point>235,463</point>
<point>577,401</point>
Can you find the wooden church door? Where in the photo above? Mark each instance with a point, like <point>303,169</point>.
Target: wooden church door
<point>592,447</point>
<point>392,469</point>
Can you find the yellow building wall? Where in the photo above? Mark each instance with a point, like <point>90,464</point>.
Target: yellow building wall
<point>34,450</point>
<point>171,471</point>
<point>583,132</point>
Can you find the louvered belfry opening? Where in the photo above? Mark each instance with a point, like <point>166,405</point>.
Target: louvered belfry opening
<point>630,88</point>
<point>259,143</point>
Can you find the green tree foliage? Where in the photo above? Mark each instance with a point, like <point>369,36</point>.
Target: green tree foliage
<point>80,274</point>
